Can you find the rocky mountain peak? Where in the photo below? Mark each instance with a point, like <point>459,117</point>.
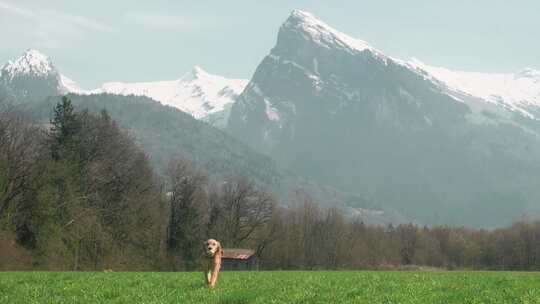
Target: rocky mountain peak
<point>32,62</point>
<point>310,27</point>
<point>197,72</point>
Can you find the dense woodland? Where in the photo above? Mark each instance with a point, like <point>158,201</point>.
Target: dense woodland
<point>80,194</point>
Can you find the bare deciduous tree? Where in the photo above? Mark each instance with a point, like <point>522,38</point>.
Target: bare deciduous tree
<point>238,210</point>
<point>188,210</point>
<point>19,150</point>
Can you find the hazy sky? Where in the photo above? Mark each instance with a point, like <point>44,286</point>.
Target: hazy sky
<point>105,40</point>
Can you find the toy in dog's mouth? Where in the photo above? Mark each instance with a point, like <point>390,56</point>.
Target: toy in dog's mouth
<point>209,253</point>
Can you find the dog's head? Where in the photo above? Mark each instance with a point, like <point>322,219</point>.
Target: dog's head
<point>211,247</point>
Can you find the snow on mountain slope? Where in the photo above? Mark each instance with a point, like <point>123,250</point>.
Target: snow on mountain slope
<point>209,97</point>
<point>516,91</point>
<point>203,95</point>
<point>34,68</point>
<point>313,28</point>
<point>68,85</point>
<point>32,62</point>
<point>198,93</point>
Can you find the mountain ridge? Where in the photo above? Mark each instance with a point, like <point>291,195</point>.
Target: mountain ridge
<point>364,122</point>
<point>201,94</point>
<point>209,97</point>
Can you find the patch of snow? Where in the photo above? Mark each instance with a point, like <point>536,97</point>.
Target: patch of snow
<point>66,85</point>
<point>271,112</point>
<point>316,80</point>
<point>256,89</point>
<point>266,134</point>
<point>296,65</point>
<point>456,98</point>
<point>315,66</point>
<point>274,57</point>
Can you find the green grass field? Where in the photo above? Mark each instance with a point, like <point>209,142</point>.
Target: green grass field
<point>271,287</point>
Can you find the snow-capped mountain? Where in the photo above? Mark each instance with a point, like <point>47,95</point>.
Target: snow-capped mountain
<point>210,97</point>
<point>516,91</point>
<point>31,63</point>
<point>408,137</point>
<point>32,76</point>
<point>203,95</point>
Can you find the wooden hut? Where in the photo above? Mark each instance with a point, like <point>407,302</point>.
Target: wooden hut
<point>239,259</point>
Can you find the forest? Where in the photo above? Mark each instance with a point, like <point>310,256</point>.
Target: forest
<point>79,193</point>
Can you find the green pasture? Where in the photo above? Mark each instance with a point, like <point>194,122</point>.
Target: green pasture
<point>271,287</point>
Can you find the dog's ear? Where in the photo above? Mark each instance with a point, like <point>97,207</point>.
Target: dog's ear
<point>220,248</point>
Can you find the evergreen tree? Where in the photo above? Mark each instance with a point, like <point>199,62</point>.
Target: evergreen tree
<point>65,127</point>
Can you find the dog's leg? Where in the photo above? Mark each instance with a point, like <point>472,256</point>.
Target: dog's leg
<point>213,278</point>
<point>215,272</point>
<point>207,277</point>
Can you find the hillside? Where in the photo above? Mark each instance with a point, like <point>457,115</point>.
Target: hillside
<point>166,132</point>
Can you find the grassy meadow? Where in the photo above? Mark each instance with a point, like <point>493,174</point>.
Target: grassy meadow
<point>271,287</point>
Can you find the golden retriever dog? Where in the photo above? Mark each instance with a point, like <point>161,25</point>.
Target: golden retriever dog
<point>212,261</point>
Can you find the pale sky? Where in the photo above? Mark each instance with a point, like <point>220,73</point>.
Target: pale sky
<point>104,40</point>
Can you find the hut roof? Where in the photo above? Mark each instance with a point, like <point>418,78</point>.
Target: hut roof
<point>237,253</point>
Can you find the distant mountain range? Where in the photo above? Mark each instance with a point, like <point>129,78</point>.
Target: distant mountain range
<point>203,95</point>
<point>392,139</point>
<point>210,97</point>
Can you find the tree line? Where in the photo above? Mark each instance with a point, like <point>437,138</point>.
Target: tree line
<point>80,194</point>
